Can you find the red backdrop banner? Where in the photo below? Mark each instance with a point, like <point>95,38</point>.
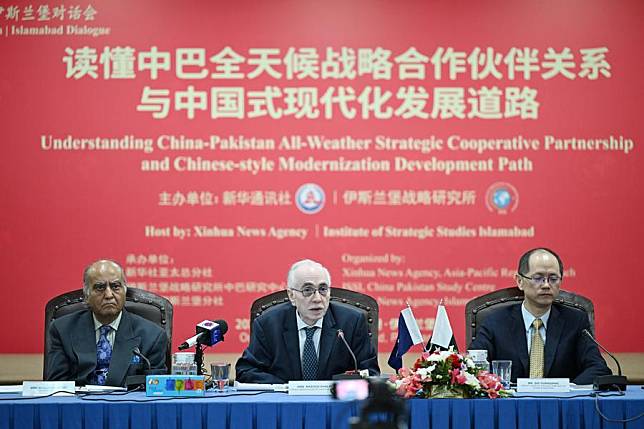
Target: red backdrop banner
<point>416,149</point>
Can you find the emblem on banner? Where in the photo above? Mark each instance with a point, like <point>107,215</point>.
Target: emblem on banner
<point>309,198</point>
<point>502,198</point>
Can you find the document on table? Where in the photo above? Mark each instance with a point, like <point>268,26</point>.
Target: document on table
<point>261,387</point>
<point>13,388</point>
<point>92,388</point>
<point>577,387</point>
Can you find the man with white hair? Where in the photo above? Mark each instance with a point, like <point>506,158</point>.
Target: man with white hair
<point>96,346</point>
<point>298,340</point>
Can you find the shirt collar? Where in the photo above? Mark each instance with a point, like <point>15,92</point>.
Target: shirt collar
<point>528,318</point>
<point>115,323</point>
<point>301,324</point>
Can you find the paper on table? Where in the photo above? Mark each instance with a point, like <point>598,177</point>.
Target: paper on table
<point>97,388</point>
<point>574,386</point>
<point>261,387</point>
<point>13,388</point>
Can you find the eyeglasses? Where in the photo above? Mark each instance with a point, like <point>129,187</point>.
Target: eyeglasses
<point>101,287</point>
<point>309,290</point>
<point>540,280</point>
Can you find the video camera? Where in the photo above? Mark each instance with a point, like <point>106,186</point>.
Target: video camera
<point>382,409</point>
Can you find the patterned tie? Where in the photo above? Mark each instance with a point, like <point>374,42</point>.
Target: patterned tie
<point>309,356</point>
<point>103,355</point>
<point>536,351</point>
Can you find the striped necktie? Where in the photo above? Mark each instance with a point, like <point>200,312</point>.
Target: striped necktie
<point>536,350</point>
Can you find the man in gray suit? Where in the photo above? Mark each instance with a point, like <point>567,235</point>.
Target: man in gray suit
<point>96,346</point>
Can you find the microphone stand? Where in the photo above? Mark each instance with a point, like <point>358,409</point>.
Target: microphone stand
<point>199,358</point>
<point>133,382</point>
<point>351,374</point>
<point>608,382</point>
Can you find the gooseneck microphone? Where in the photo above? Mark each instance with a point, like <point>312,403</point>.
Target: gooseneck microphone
<point>608,382</point>
<point>589,335</point>
<point>340,334</point>
<point>137,381</point>
<point>137,352</point>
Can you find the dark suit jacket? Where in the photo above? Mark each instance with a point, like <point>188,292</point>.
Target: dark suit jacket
<point>568,353</point>
<point>273,355</point>
<point>72,351</point>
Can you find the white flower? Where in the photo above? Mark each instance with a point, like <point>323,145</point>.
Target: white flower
<point>439,357</point>
<point>423,373</point>
<point>471,380</point>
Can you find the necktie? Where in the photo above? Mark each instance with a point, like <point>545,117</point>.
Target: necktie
<point>103,355</point>
<point>309,356</point>
<point>536,351</point>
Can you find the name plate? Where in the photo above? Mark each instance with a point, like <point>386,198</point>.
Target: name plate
<point>310,387</point>
<point>44,388</point>
<point>543,385</point>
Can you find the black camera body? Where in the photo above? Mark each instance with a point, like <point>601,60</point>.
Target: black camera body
<point>382,408</point>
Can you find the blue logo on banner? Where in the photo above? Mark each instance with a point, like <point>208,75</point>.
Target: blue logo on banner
<point>502,198</point>
<point>310,198</point>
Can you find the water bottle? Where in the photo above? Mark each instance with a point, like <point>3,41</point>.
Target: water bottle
<point>183,363</point>
<point>479,357</point>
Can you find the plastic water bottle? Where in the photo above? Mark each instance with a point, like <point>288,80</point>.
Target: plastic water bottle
<point>183,363</point>
<point>479,357</point>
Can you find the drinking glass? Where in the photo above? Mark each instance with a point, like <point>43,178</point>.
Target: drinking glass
<point>220,374</point>
<point>503,368</point>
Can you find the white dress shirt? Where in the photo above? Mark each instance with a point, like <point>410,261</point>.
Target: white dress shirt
<point>301,324</point>
<point>528,318</point>
<point>112,334</point>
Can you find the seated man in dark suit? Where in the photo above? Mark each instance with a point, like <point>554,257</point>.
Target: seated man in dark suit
<point>541,338</point>
<point>298,340</point>
<point>95,346</point>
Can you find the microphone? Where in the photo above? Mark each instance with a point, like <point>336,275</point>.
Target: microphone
<point>352,373</point>
<point>137,352</point>
<point>135,382</point>
<point>608,382</point>
<point>190,342</point>
<point>209,333</point>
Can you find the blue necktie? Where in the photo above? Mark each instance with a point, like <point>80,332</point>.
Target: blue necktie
<point>309,356</point>
<point>103,355</point>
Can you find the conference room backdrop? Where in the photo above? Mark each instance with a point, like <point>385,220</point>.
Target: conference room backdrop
<point>415,148</point>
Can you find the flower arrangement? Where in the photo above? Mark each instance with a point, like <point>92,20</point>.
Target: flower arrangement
<point>447,374</point>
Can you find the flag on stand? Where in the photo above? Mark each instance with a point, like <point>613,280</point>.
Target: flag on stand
<point>408,335</point>
<point>442,335</point>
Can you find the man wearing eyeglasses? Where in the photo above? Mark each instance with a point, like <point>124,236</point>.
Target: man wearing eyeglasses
<point>298,340</point>
<point>96,346</point>
<point>542,338</point>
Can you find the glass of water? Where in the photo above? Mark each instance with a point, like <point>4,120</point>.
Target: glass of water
<point>220,373</point>
<point>503,368</point>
